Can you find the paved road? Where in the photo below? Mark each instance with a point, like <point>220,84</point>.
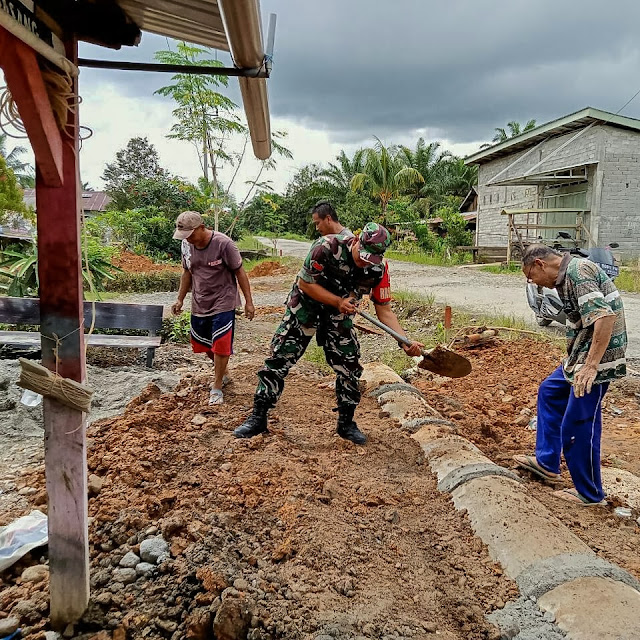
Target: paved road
<point>476,291</point>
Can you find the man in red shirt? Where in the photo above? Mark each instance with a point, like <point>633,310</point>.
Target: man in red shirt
<point>212,270</point>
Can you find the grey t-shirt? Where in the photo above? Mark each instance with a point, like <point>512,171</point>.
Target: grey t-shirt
<point>214,288</point>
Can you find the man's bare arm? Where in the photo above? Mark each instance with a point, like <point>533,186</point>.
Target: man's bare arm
<point>185,287</point>
<point>245,287</point>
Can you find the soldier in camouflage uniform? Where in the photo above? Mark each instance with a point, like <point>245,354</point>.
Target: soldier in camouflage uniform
<point>337,272</point>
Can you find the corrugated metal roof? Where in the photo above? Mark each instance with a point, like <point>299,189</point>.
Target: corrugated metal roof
<point>196,21</point>
<point>91,200</point>
<point>566,124</point>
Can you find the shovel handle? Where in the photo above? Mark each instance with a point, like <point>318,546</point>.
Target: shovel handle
<point>384,327</point>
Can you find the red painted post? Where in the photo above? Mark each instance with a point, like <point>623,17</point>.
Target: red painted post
<point>447,317</point>
<point>61,315</point>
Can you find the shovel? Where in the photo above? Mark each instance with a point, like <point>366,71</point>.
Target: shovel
<point>439,360</point>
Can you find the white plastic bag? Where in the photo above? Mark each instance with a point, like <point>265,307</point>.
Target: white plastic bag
<point>22,535</point>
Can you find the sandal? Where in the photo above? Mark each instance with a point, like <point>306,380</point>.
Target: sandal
<point>529,463</point>
<point>216,397</point>
<point>572,495</point>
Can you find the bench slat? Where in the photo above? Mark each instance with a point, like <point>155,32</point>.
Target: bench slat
<point>108,315</point>
<point>32,339</point>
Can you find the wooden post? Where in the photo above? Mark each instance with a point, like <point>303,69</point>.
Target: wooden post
<point>509,238</point>
<point>61,315</point>
<point>447,317</point>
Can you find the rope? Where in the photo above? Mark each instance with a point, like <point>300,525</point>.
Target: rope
<point>39,379</point>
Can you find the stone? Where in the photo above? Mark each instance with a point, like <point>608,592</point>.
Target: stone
<point>94,484</point>
<point>125,575</point>
<point>130,560</point>
<point>9,626</point>
<point>199,420</point>
<point>240,584</point>
<point>589,608</point>
<point>103,598</point>
<point>232,619</point>
<point>226,466</point>
<point>145,568</point>
<point>166,625</point>
<point>154,550</point>
<point>199,625</point>
<point>27,611</point>
<point>516,528</point>
<point>36,573</point>
<point>27,491</point>
<point>52,635</point>
<point>68,631</point>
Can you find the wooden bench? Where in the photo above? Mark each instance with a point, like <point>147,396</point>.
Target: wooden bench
<point>108,315</point>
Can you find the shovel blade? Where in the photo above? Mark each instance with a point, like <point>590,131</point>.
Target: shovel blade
<point>445,363</point>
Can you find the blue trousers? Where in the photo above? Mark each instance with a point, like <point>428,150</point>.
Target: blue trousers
<point>572,426</point>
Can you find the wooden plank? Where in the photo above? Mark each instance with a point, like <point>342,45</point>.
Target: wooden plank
<point>114,315</point>
<point>20,310</point>
<point>24,80</point>
<point>32,339</point>
<point>61,314</point>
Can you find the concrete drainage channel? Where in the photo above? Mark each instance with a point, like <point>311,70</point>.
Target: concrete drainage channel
<point>566,590</point>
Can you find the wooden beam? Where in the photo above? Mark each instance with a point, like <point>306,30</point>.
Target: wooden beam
<point>24,79</point>
<point>61,315</point>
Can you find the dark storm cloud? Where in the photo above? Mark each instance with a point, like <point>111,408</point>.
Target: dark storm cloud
<point>458,68</point>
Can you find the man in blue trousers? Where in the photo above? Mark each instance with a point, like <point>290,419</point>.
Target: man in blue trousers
<point>570,399</point>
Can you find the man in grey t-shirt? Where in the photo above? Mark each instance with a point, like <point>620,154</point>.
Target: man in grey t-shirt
<point>212,269</point>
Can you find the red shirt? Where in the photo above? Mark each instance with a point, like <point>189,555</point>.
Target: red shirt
<point>381,294</point>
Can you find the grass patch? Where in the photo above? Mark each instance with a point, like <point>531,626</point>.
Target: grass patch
<point>100,296</point>
<point>126,282</point>
<point>512,267</point>
<point>431,259</point>
<point>628,280</point>
<point>315,354</point>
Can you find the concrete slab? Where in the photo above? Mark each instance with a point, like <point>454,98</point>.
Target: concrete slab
<point>545,575</point>
<point>472,471</point>
<point>623,485</point>
<point>414,425</point>
<point>394,386</point>
<point>433,441</point>
<point>517,529</point>
<point>375,374</point>
<point>595,609</point>
<point>404,406</point>
<point>398,395</point>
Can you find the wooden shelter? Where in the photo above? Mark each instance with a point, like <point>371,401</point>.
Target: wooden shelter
<point>39,57</point>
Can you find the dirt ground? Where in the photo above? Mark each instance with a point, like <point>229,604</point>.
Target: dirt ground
<point>134,263</point>
<point>492,408</point>
<point>319,536</point>
<point>316,538</point>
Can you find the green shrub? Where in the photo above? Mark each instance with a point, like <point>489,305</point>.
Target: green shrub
<point>177,328</point>
<point>144,282</point>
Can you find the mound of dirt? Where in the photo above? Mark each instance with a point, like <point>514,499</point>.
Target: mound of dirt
<point>309,534</point>
<point>268,268</point>
<point>133,263</point>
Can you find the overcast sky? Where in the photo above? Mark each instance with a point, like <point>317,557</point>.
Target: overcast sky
<point>348,70</point>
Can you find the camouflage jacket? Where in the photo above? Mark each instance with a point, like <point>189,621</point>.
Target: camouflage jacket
<point>330,264</point>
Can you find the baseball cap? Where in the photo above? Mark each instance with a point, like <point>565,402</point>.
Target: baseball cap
<point>186,222</point>
<point>374,241</point>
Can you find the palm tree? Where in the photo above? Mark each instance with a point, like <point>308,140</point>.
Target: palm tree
<point>515,129</point>
<point>341,173</point>
<point>455,178</point>
<point>385,175</point>
<point>22,170</point>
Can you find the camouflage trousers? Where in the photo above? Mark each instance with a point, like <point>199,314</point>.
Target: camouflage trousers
<point>334,333</point>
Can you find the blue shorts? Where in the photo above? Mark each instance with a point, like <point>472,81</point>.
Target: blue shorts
<point>213,334</point>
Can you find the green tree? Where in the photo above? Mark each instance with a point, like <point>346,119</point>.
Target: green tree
<point>356,210</point>
<point>514,129</point>
<point>23,171</point>
<point>454,224</point>
<point>427,160</point>
<point>170,195</point>
<point>341,173</point>
<point>385,176</point>
<point>453,178</point>
<point>139,160</point>
<point>11,194</point>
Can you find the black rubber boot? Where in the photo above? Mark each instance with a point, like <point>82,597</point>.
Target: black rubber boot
<point>347,428</point>
<point>255,424</point>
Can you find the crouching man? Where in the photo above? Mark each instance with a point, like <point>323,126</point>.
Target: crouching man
<point>570,399</point>
<point>337,272</point>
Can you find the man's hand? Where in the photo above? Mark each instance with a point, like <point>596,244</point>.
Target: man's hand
<point>583,380</point>
<point>413,349</point>
<point>347,306</point>
<point>176,307</point>
<point>249,310</point>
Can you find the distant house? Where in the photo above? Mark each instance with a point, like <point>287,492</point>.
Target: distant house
<point>468,209</point>
<point>581,170</point>
<point>93,202</point>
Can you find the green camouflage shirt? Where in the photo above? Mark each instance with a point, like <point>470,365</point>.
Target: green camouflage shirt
<point>589,294</point>
<point>330,264</point>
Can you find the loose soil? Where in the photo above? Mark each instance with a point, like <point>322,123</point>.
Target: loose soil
<point>268,268</point>
<point>492,408</point>
<point>133,263</point>
<point>319,536</point>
